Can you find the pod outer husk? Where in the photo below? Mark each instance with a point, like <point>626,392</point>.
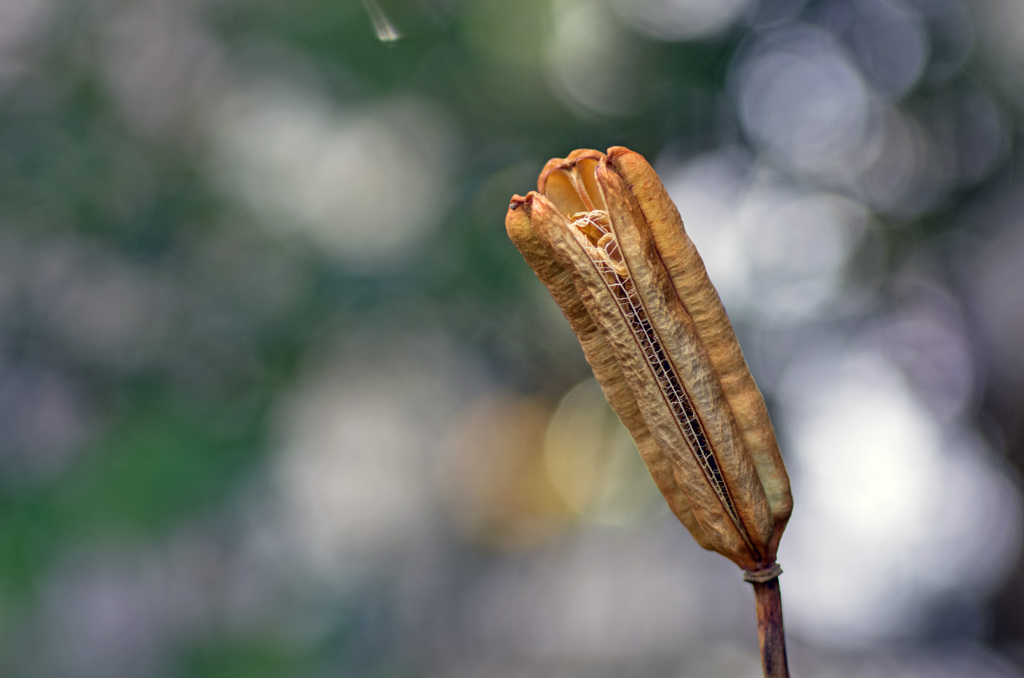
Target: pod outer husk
<point>745,518</point>
<point>593,290</point>
<point>698,296</point>
<point>518,224</point>
<point>692,364</point>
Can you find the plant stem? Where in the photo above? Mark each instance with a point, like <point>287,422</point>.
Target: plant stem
<point>770,633</point>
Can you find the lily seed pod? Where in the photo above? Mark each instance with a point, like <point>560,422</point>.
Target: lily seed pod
<point>604,237</point>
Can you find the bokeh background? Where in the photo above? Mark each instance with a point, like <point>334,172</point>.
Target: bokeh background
<point>278,397</point>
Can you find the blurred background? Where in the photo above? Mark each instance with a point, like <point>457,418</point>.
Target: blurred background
<point>278,397</point>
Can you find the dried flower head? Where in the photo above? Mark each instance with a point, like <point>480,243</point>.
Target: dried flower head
<point>602,234</point>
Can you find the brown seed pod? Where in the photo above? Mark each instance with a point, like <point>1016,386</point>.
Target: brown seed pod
<point>602,234</point>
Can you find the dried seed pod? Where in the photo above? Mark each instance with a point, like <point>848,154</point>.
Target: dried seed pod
<point>604,237</point>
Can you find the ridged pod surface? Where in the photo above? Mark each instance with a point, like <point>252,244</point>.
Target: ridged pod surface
<point>603,236</point>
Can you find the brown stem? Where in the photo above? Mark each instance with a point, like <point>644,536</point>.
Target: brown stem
<point>770,633</point>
